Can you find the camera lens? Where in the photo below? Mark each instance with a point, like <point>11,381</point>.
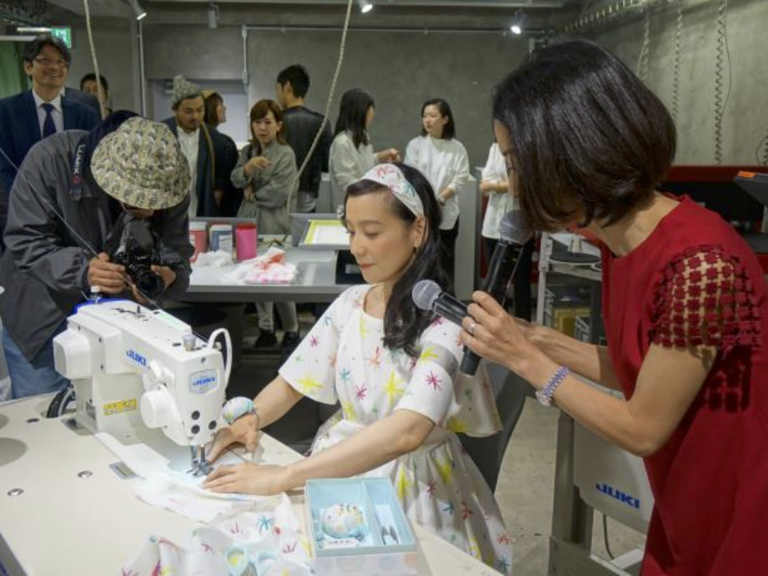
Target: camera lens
<point>149,284</point>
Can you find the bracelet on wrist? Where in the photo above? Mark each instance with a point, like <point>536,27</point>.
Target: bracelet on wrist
<point>544,396</point>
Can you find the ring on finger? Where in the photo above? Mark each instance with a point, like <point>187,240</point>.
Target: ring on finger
<point>472,328</point>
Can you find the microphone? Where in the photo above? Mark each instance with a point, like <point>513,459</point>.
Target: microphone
<point>428,295</point>
<point>513,234</point>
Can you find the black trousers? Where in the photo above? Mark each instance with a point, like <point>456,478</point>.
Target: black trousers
<point>448,252</point>
<point>521,283</point>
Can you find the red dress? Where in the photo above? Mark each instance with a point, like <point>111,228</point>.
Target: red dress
<point>710,479</point>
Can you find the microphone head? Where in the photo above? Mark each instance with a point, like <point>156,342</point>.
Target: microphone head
<point>424,294</point>
<point>514,229</point>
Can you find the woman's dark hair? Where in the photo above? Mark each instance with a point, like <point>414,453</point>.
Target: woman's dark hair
<point>353,111</point>
<point>33,49</point>
<point>259,111</point>
<point>211,105</point>
<point>91,77</point>
<point>403,321</point>
<point>449,130</point>
<point>587,137</point>
<point>298,77</point>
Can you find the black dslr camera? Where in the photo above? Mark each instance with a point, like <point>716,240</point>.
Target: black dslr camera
<point>137,252</point>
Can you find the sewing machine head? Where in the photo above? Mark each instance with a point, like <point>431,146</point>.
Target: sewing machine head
<point>134,367</point>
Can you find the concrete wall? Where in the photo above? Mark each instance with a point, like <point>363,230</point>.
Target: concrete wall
<point>115,48</point>
<point>745,121</point>
<point>400,70</point>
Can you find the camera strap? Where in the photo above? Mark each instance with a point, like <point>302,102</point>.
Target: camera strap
<point>76,182</point>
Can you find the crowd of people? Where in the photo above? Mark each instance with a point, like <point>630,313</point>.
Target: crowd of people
<point>685,301</point>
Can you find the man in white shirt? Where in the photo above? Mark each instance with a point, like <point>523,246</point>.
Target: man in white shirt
<point>206,150</point>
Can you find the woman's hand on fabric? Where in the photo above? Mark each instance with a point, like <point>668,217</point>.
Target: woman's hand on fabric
<point>244,431</point>
<point>495,335</point>
<point>249,478</point>
<point>248,193</point>
<point>389,155</point>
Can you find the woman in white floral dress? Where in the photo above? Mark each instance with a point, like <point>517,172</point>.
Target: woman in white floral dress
<point>394,368</point>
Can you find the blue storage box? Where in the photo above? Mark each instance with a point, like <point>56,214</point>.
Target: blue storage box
<point>357,526</point>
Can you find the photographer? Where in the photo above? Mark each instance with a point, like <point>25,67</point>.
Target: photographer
<point>119,191</point>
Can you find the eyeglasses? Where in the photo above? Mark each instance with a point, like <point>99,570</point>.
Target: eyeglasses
<point>50,62</point>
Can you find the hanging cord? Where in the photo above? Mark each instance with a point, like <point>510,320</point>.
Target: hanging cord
<point>342,49</point>
<point>642,61</point>
<point>676,68</point>
<point>99,88</point>
<point>605,537</point>
<point>721,101</point>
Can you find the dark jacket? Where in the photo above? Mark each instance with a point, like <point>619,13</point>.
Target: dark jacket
<point>84,98</point>
<point>301,126</point>
<point>44,269</point>
<point>213,170</point>
<point>20,130</point>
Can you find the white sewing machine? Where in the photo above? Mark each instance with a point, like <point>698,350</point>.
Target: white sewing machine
<point>133,368</point>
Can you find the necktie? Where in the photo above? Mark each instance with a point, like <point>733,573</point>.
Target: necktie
<point>49,126</point>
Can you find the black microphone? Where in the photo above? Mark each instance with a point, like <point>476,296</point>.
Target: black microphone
<point>513,234</point>
<point>428,295</point>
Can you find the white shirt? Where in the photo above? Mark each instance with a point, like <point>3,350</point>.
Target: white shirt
<point>445,164</point>
<point>499,203</point>
<point>190,144</point>
<point>347,164</point>
<point>57,113</point>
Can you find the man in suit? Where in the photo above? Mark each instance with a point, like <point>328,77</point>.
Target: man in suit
<point>27,118</point>
<point>206,150</point>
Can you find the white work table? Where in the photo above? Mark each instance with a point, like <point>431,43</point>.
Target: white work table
<point>315,281</point>
<point>78,516</point>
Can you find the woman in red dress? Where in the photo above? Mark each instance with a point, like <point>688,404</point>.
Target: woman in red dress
<point>684,300</point>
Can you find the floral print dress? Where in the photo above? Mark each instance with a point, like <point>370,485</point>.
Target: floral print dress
<point>343,359</point>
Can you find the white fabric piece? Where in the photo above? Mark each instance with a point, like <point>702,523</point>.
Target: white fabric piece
<point>265,541</point>
<point>269,268</point>
<point>216,259</point>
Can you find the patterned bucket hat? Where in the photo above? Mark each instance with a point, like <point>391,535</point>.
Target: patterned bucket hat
<point>141,165</point>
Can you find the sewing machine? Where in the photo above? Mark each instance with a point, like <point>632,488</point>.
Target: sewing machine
<point>134,368</point>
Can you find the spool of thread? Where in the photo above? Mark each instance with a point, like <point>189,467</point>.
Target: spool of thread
<point>246,241</point>
<point>198,238</point>
<point>221,238</point>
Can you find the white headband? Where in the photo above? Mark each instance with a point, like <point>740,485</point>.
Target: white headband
<point>390,176</point>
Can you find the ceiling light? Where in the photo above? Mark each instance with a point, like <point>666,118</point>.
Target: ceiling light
<point>518,22</point>
<point>365,6</point>
<point>27,29</point>
<point>138,11</point>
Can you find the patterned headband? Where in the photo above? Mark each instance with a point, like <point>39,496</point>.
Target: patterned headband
<point>390,176</point>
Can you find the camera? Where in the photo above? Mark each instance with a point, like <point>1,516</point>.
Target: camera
<point>138,252</point>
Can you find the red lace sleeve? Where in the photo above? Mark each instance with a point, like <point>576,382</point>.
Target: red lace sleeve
<point>705,298</point>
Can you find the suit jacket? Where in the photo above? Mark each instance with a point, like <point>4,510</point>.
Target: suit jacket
<point>20,130</point>
<point>212,172</point>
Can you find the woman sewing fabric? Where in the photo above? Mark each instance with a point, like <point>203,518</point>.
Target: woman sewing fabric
<point>394,368</point>
<point>684,299</point>
<point>266,171</point>
<point>444,161</point>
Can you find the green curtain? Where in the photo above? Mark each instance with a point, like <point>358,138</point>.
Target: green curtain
<point>12,78</point>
